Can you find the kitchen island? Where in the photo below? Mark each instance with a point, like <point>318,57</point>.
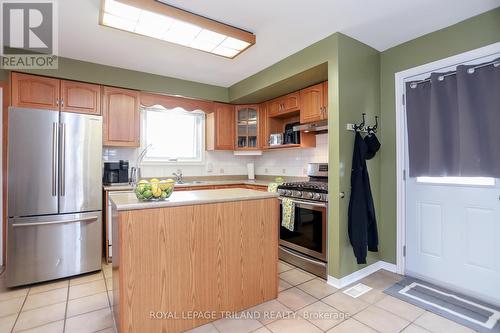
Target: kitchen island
<point>194,258</point>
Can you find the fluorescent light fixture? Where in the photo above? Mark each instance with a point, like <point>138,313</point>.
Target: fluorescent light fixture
<point>161,21</point>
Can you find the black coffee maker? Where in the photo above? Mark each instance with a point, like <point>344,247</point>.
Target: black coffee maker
<point>115,173</point>
<point>290,136</point>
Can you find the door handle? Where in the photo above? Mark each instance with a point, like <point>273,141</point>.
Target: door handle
<point>85,219</point>
<point>54,159</point>
<point>62,182</point>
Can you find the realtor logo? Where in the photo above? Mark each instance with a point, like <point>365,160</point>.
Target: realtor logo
<point>29,39</point>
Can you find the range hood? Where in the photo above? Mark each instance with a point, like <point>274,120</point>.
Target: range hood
<point>320,126</point>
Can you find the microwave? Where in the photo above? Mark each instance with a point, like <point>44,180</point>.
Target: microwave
<point>276,139</point>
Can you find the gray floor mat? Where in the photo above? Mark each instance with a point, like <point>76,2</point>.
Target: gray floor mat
<point>459,308</point>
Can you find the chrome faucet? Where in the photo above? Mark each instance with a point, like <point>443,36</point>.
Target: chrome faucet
<point>178,176</point>
<point>135,172</point>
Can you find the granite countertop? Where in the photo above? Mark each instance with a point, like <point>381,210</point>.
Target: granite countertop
<point>195,184</point>
<point>128,201</point>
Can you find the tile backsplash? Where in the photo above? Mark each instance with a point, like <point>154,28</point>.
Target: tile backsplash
<point>291,162</point>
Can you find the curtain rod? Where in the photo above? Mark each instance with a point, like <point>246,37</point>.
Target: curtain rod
<point>495,63</point>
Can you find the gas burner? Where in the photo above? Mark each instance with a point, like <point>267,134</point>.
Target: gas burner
<point>316,189</point>
<point>312,190</point>
<point>321,187</point>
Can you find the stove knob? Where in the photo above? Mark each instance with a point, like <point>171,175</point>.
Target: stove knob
<point>288,192</point>
<point>297,194</point>
<point>308,195</point>
<point>317,196</point>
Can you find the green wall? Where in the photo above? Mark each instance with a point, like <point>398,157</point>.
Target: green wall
<point>473,33</point>
<point>359,91</point>
<point>113,76</point>
<point>354,79</point>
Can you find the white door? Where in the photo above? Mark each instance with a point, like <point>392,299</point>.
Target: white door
<point>453,234</point>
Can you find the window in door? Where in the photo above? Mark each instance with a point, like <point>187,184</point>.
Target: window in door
<point>472,181</point>
<point>176,135</point>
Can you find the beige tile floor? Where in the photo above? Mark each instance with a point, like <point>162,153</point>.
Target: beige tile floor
<point>305,304</point>
<point>80,304</point>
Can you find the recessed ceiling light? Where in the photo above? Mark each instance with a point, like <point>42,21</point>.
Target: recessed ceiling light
<point>161,21</point>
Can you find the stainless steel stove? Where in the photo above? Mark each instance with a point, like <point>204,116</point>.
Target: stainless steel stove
<point>306,245</point>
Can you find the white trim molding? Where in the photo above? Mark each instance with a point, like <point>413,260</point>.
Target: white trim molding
<point>450,63</point>
<point>360,274</point>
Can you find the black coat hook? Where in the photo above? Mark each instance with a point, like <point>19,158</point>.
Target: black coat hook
<point>373,129</point>
<point>360,126</point>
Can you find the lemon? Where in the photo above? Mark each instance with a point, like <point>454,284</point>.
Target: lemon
<point>154,180</point>
<point>154,187</point>
<point>170,180</point>
<point>143,181</point>
<point>164,185</point>
<point>157,194</point>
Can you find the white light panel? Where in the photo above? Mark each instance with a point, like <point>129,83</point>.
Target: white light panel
<point>124,17</point>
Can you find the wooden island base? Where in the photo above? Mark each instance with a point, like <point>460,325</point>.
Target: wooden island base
<point>176,268</point>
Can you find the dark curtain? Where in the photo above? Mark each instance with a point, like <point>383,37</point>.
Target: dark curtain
<point>453,123</point>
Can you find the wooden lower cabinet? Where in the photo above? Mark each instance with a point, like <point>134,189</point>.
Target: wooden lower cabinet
<point>209,259</point>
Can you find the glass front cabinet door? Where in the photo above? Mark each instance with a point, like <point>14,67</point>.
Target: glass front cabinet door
<point>247,128</point>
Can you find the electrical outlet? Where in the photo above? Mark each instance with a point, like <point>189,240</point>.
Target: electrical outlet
<point>283,171</point>
<point>304,171</point>
<point>266,170</point>
<point>210,168</point>
<point>221,171</point>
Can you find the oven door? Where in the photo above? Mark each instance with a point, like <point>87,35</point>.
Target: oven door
<point>309,235</point>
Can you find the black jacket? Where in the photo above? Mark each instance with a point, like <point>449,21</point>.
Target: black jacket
<point>362,222</point>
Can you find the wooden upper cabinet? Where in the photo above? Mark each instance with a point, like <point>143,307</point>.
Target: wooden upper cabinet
<point>247,127</point>
<point>220,127</point>
<point>312,106</point>
<point>121,117</point>
<point>80,97</point>
<point>274,107</point>
<point>284,104</point>
<point>291,102</point>
<point>31,91</point>
<point>263,125</point>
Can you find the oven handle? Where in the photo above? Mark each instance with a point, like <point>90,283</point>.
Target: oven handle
<point>308,203</point>
<point>294,253</point>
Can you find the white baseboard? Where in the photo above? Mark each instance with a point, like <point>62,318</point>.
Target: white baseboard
<point>360,274</point>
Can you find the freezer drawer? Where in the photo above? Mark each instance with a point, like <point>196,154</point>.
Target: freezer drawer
<point>52,247</point>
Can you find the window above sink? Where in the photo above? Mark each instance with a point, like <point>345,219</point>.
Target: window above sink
<point>176,135</point>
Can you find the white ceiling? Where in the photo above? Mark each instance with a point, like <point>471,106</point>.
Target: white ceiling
<point>282,27</point>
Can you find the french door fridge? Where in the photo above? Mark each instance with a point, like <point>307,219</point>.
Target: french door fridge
<point>54,195</point>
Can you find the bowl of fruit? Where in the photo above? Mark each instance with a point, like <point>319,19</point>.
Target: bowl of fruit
<point>154,189</point>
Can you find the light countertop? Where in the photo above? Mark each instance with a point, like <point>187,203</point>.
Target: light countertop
<point>195,184</point>
<point>128,201</point>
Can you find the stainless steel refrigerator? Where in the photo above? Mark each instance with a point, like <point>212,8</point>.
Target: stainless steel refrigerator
<point>54,195</point>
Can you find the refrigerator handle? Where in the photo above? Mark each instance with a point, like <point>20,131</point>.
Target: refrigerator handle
<point>54,159</point>
<point>85,219</point>
<point>62,183</point>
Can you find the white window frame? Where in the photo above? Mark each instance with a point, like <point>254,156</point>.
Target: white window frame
<point>176,162</point>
